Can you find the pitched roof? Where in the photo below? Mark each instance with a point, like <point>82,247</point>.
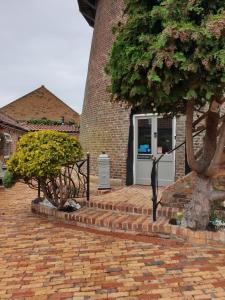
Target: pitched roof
<point>60,128</point>
<point>38,104</point>
<point>6,120</point>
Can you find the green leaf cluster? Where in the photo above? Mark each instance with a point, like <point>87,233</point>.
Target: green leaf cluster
<point>168,52</point>
<point>41,154</point>
<point>8,179</point>
<point>45,121</point>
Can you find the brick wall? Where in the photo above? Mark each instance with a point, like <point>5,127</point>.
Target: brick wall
<point>104,125</point>
<point>39,104</point>
<point>15,135</point>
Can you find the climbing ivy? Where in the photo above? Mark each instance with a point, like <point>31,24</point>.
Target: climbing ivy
<point>45,121</point>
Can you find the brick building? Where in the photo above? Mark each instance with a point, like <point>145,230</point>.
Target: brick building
<point>130,137</point>
<point>69,129</point>
<point>39,104</point>
<point>11,131</point>
<point>42,110</point>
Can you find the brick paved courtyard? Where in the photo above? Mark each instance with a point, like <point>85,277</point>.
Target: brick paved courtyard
<point>42,259</point>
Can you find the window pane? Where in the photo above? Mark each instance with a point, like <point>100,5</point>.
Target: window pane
<point>8,145</point>
<point>164,135</point>
<point>7,149</point>
<point>144,136</point>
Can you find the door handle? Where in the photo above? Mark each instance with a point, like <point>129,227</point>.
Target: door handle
<point>155,134</point>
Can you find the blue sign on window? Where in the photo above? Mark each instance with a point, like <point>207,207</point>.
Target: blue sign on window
<point>144,149</point>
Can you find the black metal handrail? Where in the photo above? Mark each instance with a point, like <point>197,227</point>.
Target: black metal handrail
<point>154,174</point>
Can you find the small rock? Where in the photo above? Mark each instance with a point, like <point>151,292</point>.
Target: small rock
<point>47,203</point>
<point>112,270</point>
<point>73,204</point>
<point>155,263</point>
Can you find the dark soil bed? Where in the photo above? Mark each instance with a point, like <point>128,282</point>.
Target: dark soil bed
<point>68,209</point>
<point>210,227</point>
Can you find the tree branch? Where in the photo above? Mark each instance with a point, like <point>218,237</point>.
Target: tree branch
<point>210,139</point>
<point>192,162</point>
<point>213,167</point>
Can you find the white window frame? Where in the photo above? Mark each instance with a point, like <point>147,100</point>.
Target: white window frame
<point>143,116</point>
<point>8,140</point>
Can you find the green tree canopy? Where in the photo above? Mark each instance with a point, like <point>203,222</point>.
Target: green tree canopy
<point>168,52</point>
<point>169,58</point>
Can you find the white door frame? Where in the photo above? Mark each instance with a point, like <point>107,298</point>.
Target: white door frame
<point>143,116</point>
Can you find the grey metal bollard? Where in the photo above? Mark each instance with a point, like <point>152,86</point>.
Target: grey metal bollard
<point>103,172</point>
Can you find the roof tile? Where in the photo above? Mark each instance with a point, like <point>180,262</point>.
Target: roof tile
<point>60,128</point>
<point>11,122</point>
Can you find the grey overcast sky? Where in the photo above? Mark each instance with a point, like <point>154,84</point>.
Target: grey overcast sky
<point>43,42</point>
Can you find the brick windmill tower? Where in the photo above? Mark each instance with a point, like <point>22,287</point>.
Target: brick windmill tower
<point>129,137</point>
<point>105,126</point>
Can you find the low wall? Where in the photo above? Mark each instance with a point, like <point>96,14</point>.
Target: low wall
<point>158,229</point>
<point>180,193</point>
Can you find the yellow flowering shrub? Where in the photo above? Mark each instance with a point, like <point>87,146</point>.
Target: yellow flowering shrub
<point>42,154</point>
<point>46,156</point>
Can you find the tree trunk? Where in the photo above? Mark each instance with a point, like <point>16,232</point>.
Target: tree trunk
<point>197,211</point>
<point>206,163</point>
<point>47,193</point>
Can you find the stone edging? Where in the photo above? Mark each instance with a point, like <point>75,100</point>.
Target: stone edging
<point>156,229</point>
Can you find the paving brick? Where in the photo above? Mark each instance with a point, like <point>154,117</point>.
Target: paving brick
<point>43,259</point>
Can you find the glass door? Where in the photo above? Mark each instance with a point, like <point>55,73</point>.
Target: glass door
<point>154,136</point>
<point>164,135</point>
<point>165,143</point>
<point>144,150</point>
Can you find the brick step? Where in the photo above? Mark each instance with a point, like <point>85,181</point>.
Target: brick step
<point>129,223</point>
<point>167,212</point>
<point>115,221</point>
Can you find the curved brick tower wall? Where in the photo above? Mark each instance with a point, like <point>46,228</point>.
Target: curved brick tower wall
<point>104,125</point>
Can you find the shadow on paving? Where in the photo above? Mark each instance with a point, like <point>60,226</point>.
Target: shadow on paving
<point>41,259</point>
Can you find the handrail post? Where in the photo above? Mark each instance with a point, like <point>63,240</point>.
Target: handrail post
<point>88,176</point>
<point>153,184</point>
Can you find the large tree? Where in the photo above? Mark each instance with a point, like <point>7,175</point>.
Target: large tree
<point>169,57</point>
